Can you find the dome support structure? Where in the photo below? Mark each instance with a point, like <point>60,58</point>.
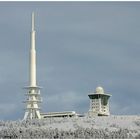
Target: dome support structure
<point>99,103</point>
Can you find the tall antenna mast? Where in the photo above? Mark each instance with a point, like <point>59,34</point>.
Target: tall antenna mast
<point>33,91</point>
<point>33,21</point>
<point>33,56</point>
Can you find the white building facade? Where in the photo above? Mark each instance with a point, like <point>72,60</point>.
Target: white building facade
<point>99,103</point>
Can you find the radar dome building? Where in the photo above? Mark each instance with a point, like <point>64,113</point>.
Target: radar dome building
<point>99,103</point>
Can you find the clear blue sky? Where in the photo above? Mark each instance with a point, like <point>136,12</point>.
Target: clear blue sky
<point>80,45</point>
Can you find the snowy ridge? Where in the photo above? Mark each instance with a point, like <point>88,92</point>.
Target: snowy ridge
<point>84,127</point>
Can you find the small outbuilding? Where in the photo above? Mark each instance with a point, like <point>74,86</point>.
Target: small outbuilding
<point>59,114</point>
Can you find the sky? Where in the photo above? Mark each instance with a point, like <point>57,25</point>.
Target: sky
<point>80,46</point>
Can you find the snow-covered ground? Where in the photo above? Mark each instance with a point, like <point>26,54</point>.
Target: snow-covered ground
<point>115,122</point>
<point>83,127</point>
<point>110,122</point>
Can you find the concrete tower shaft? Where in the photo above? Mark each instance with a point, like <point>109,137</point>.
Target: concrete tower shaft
<point>33,56</point>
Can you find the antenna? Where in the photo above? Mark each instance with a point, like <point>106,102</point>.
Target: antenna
<point>33,21</point>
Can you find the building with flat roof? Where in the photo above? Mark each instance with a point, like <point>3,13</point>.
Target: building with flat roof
<point>59,114</point>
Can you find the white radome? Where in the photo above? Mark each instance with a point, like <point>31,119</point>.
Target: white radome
<point>99,90</point>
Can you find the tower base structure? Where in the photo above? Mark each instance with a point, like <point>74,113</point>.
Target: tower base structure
<point>32,101</point>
